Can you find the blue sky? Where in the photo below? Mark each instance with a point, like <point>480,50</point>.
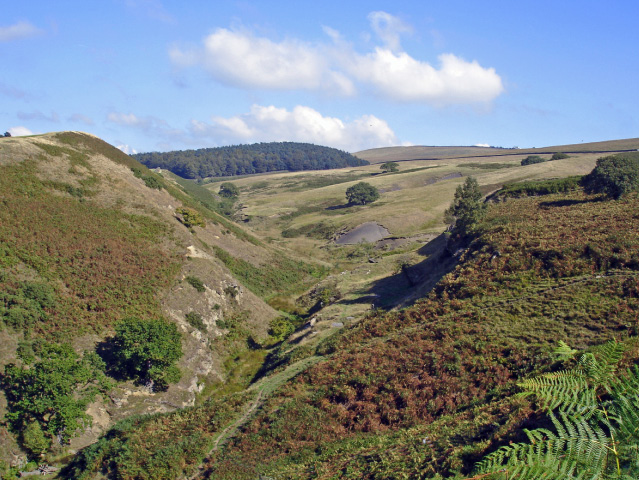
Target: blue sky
<point>155,75</point>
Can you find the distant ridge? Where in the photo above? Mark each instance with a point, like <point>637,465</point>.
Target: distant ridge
<point>398,154</point>
<point>249,159</point>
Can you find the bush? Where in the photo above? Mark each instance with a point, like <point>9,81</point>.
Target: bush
<point>614,176</point>
<point>362,193</point>
<point>147,350</point>
<point>532,159</point>
<point>229,190</point>
<point>190,218</point>
<point>539,187</point>
<point>559,156</point>
<point>196,283</point>
<point>280,328</point>
<point>26,306</point>
<point>195,320</point>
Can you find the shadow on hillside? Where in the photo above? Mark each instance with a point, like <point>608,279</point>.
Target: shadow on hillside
<point>570,202</point>
<point>339,207</point>
<point>414,281</point>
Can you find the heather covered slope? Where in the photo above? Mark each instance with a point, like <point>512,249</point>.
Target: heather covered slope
<point>427,391</point>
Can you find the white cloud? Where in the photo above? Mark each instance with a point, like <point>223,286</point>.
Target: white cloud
<point>241,59</point>
<point>17,31</point>
<point>127,149</point>
<point>402,78</point>
<point>388,28</point>
<point>20,131</point>
<point>301,124</point>
<point>481,145</point>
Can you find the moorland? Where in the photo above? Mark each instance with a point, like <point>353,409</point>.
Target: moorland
<point>277,351</point>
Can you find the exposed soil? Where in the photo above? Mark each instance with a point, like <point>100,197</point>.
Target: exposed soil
<point>366,232</point>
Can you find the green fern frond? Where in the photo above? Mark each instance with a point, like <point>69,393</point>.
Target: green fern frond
<point>568,390</point>
<point>564,352</point>
<point>596,426</point>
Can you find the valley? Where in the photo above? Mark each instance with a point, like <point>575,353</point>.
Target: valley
<point>304,357</point>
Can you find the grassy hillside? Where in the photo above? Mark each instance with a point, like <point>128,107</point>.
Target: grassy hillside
<point>89,237</point>
<point>427,391</point>
<point>387,154</point>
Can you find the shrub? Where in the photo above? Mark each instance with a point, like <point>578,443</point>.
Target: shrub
<point>532,159</point>
<point>539,187</point>
<point>195,320</point>
<point>280,328</point>
<point>190,218</point>
<point>362,193</point>
<point>229,190</point>
<point>559,156</point>
<point>196,283</point>
<point>614,176</point>
<point>147,350</point>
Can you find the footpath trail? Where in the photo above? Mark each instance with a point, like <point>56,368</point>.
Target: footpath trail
<point>264,387</point>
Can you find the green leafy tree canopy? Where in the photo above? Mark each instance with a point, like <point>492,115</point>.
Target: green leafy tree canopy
<point>147,350</point>
<point>614,176</point>
<point>362,193</point>
<point>467,208</point>
<point>389,167</point>
<point>47,396</point>
<point>229,190</point>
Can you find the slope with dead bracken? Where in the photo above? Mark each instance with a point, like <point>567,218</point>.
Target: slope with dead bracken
<point>424,392</point>
<point>88,223</point>
<point>428,390</point>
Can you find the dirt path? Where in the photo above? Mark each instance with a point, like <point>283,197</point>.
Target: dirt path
<point>265,388</point>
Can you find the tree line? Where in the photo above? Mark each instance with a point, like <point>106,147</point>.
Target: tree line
<point>249,159</point>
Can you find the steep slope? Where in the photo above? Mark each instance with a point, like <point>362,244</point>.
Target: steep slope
<point>101,238</point>
<point>427,391</point>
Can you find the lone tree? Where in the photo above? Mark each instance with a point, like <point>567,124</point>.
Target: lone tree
<point>389,167</point>
<point>614,176</point>
<point>7,134</point>
<point>147,350</point>
<point>466,210</point>
<point>229,190</point>
<point>361,193</point>
<point>48,394</point>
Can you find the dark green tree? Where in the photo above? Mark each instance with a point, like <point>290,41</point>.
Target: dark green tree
<point>47,396</point>
<point>389,167</point>
<point>147,350</point>
<point>614,176</point>
<point>361,193</point>
<point>229,190</point>
<point>466,210</point>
